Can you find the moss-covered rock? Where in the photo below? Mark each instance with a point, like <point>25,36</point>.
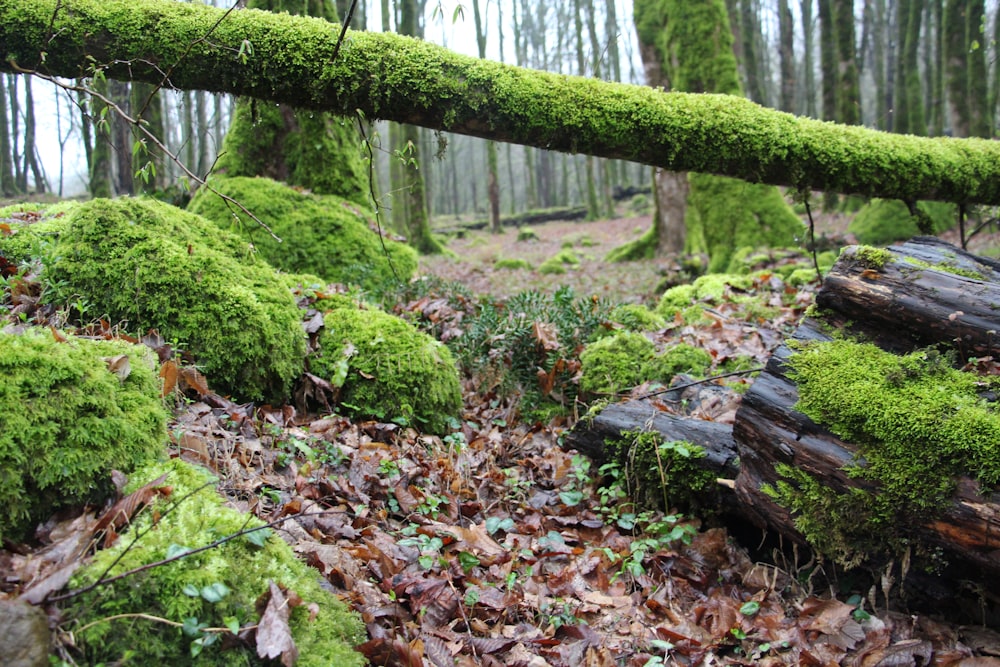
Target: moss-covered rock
<point>559,262</point>
<point>389,369</point>
<point>512,264</point>
<point>615,363</point>
<point>708,288</point>
<point>149,265</point>
<point>67,421</point>
<point>636,317</point>
<point>320,234</point>
<point>527,234</point>
<point>202,590</point>
<point>885,221</point>
<point>681,358</point>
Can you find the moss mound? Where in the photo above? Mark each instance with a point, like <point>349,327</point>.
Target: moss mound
<point>67,421</point>
<point>388,369</point>
<point>558,262</point>
<point>512,264</point>
<point>709,289</point>
<point>681,358</point>
<point>885,221</point>
<point>153,266</point>
<point>320,234</point>
<point>615,363</point>
<point>636,317</point>
<point>205,590</point>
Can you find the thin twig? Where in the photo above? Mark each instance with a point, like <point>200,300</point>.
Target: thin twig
<point>167,561</point>
<point>812,236</point>
<point>697,382</point>
<point>155,141</point>
<point>343,29</point>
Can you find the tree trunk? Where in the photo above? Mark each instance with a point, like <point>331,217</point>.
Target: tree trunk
<point>957,68</point>
<point>808,77</point>
<point>8,186</point>
<point>722,135</point>
<point>492,180</point>
<point>848,93</point>
<point>909,104</point>
<point>828,58</point>
<point>31,162</point>
<point>786,53</point>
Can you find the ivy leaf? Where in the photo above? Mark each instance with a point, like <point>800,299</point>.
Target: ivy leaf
<point>495,523</point>
<point>259,537</point>
<point>176,550</point>
<point>191,591</point>
<point>750,608</point>
<point>467,561</point>
<point>214,592</point>
<point>571,498</point>
<point>232,624</point>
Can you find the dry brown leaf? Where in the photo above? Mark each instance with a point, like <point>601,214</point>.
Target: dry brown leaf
<point>274,637</point>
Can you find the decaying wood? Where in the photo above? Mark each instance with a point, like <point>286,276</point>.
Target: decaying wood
<point>903,305</point>
<point>642,415</point>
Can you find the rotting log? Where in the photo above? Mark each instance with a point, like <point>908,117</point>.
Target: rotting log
<point>295,60</point>
<point>913,299</point>
<point>590,435</point>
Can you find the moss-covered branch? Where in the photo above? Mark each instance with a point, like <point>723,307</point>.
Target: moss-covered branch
<point>289,59</point>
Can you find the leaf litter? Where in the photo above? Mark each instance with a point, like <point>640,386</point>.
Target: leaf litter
<point>464,550</point>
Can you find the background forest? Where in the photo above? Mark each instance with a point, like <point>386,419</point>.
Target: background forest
<point>924,68</point>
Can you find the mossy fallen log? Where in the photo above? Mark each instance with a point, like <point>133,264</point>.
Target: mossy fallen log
<point>869,435</point>
<point>878,448</point>
<point>289,59</point>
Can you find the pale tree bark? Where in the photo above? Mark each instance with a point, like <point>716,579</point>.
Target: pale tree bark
<point>8,187</point>
<point>492,182</point>
<point>31,162</point>
<point>786,53</point>
<point>721,134</point>
<point>808,107</point>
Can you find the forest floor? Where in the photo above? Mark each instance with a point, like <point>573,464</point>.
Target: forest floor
<point>495,546</point>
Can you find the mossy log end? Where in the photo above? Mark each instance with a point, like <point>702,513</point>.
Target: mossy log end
<point>290,59</point>
<point>612,422</point>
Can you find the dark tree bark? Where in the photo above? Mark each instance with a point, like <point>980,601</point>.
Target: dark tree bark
<point>708,133</point>
<point>828,58</point>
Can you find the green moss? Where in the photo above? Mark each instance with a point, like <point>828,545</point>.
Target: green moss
<point>885,221</point>
<point>509,263</point>
<point>681,358</point>
<point>151,266</point>
<point>393,371</point>
<point>191,517</point>
<point>663,474</point>
<point>323,235</point>
<point>67,421</point>
<point>615,363</point>
<point>708,288</point>
<point>527,234</point>
<point>800,277</point>
<point>872,258</point>
<point>558,262</point>
<point>946,267</point>
<point>636,317</point>
<point>918,424</point>
<point>724,214</point>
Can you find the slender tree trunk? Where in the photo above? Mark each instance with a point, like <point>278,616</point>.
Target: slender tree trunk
<point>957,67</point>
<point>100,166</point>
<point>751,56</point>
<point>8,186</point>
<point>878,31</point>
<point>828,58</point>
<point>20,176</point>
<point>980,118</point>
<point>492,182</point>
<point>786,51</point>
<point>808,107</point>
<point>147,107</point>
<point>848,92</point>
<point>909,105</point>
<point>936,107</point>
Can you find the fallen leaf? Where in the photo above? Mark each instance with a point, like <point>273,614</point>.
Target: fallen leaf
<point>274,637</point>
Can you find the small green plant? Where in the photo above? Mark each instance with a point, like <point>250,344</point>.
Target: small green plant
<point>429,547</point>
